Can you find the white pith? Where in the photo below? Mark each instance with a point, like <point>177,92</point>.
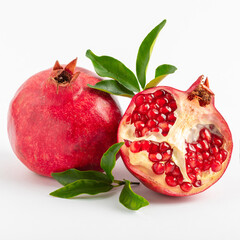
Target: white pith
<point>185,129</point>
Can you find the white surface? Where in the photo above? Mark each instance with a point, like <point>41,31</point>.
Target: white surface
<point>200,37</point>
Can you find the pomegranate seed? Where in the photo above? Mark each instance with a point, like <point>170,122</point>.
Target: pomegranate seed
<point>164,146</point>
<point>152,123</point>
<point>176,172</point>
<point>192,162</point>
<point>155,157</point>
<point>200,163</point>
<point>152,113</point>
<point>205,134</point>
<point>205,145</point>
<point>186,186</point>
<point>145,146</point>
<point>171,181</point>
<point>128,119</point>
<point>192,176</point>
<point>173,105</point>
<point>149,98</point>
<point>158,168</point>
<point>161,118</point>
<point>205,155</point>
<point>165,109</point>
<point>154,106</point>
<point>169,97</point>
<point>144,131</point>
<point>139,125</point>
<point>211,158</point>
<point>165,133</point>
<point>159,93</point>
<point>139,100</point>
<point>127,143</point>
<point>224,154</point>
<point>154,147</point>
<point>206,165</point>
<point>171,117</point>
<point>164,126</point>
<point>197,183</point>
<point>144,118</point>
<point>161,102</point>
<point>138,133</point>
<point>136,117</point>
<point>167,155</point>
<point>191,154</point>
<point>214,150</point>
<point>180,180</point>
<point>197,172</point>
<point>199,156</point>
<point>191,147</point>
<point>198,147</point>
<point>219,157</point>
<point>217,141</point>
<point>216,166</point>
<point>143,108</point>
<point>155,129</point>
<point>135,147</point>
<point>188,168</point>
<point>169,167</point>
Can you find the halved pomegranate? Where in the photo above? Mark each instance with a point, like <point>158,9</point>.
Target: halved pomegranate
<point>176,142</point>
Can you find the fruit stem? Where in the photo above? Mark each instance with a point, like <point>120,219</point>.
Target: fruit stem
<point>119,182</point>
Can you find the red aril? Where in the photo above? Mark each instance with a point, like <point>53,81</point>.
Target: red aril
<point>57,122</point>
<point>190,142</point>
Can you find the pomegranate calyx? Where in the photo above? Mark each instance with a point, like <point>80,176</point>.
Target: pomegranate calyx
<point>64,76</point>
<point>57,66</point>
<point>71,66</point>
<point>202,92</point>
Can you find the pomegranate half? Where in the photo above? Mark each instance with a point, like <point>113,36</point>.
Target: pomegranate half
<point>57,122</point>
<point>176,142</point>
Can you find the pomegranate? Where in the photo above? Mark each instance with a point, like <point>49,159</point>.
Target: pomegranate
<point>57,122</point>
<point>176,142</point>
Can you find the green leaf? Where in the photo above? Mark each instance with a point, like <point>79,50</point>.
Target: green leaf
<point>112,87</point>
<point>161,72</point>
<point>106,66</point>
<point>145,51</point>
<point>109,159</point>
<point>130,199</point>
<point>73,175</point>
<point>87,186</point>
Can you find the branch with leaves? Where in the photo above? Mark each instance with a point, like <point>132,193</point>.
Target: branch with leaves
<point>77,182</point>
<point>123,81</point>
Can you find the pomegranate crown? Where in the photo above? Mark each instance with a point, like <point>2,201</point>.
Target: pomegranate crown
<point>200,90</point>
<point>63,76</point>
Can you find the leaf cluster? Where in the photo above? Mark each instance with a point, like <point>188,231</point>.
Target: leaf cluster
<point>122,81</point>
<point>77,182</point>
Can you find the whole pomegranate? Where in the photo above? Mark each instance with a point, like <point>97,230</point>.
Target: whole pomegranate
<point>176,142</point>
<point>57,122</point>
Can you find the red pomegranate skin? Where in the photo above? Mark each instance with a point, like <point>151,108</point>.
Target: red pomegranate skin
<point>52,129</point>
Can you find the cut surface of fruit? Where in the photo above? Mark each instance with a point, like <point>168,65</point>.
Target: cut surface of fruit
<point>176,142</point>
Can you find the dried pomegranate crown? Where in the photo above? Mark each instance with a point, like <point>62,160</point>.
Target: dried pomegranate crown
<point>63,76</point>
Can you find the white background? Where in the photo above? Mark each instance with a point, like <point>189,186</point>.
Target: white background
<point>200,37</point>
